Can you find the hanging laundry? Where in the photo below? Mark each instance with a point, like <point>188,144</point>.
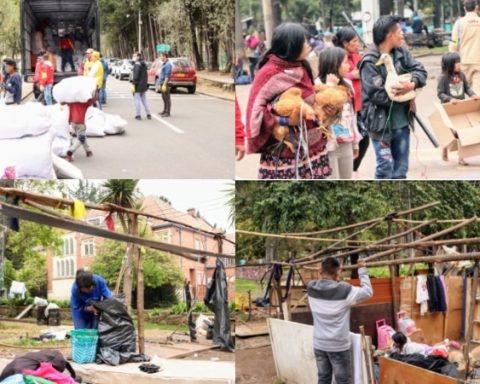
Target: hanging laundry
<point>18,288</point>
<point>442,298</point>
<point>109,222</point>
<point>12,222</point>
<point>436,293</point>
<point>78,210</point>
<point>422,294</point>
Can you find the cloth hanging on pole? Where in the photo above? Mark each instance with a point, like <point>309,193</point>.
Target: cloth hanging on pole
<point>422,294</point>
<point>109,222</point>
<point>78,210</point>
<point>216,300</point>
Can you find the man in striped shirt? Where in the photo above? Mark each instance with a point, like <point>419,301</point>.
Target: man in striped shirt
<point>330,301</point>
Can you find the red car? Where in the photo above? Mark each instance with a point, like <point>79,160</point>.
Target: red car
<point>183,74</point>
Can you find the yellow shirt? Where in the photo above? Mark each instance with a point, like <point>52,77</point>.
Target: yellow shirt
<point>94,69</point>
<point>466,38</point>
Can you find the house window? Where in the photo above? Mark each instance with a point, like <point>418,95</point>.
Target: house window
<point>65,267</point>
<point>164,236</point>
<point>96,221</point>
<point>88,247</point>
<point>68,246</point>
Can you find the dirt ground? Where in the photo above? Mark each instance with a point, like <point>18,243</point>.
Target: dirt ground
<point>254,361</point>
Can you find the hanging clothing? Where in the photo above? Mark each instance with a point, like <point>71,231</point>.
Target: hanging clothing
<point>422,294</point>
<point>436,293</point>
<point>109,222</point>
<point>442,298</point>
<point>78,210</point>
<point>18,288</point>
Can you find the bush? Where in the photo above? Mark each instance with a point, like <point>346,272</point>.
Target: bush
<point>61,303</point>
<point>178,309</point>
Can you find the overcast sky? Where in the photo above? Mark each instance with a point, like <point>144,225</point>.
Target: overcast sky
<point>207,196</point>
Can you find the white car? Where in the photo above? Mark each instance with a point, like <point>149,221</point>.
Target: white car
<point>122,69</point>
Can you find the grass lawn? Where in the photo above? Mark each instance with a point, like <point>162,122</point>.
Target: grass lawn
<point>429,51</point>
<point>165,327</point>
<point>242,286</point>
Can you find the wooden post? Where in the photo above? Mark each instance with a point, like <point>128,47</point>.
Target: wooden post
<point>471,317</point>
<point>140,302</point>
<point>393,273</point>
<point>367,352</point>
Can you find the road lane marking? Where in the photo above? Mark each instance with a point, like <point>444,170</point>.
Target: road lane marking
<point>169,125</point>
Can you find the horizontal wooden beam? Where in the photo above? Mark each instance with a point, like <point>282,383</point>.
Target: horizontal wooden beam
<point>79,226</point>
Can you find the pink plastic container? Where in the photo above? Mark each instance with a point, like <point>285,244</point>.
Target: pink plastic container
<point>384,334</point>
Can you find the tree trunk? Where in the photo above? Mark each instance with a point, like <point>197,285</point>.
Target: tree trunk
<point>437,14</point>
<point>140,302</point>
<point>268,20</point>
<point>193,41</point>
<point>239,48</point>
<point>128,277</point>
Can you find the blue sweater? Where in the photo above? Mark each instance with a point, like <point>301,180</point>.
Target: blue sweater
<point>79,301</point>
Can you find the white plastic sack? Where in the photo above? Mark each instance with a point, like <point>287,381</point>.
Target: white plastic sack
<point>76,89</point>
<point>60,146</point>
<point>59,119</point>
<point>17,121</point>
<point>95,122</point>
<point>31,157</point>
<point>114,124</point>
<point>65,169</point>
<point>40,302</point>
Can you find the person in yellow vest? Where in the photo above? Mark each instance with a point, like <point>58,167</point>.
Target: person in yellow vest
<point>466,41</point>
<point>95,70</point>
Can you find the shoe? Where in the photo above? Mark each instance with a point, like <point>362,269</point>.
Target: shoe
<point>165,115</point>
<point>69,156</point>
<point>462,162</point>
<point>138,118</point>
<point>149,117</point>
<point>89,153</point>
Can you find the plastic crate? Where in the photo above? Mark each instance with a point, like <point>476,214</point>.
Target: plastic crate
<point>84,345</point>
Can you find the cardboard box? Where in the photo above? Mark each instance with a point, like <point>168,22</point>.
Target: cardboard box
<point>457,127</point>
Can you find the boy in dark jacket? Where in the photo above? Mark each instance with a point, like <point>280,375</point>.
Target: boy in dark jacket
<point>12,83</point>
<point>140,86</point>
<point>387,121</point>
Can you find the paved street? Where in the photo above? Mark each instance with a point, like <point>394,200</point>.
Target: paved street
<point>195,142</point>
<point>425,160</point>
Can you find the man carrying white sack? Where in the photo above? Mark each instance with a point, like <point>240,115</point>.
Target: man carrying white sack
<point>78,93</point>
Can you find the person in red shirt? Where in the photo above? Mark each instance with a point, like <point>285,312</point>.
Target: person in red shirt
<point>45,79</point>
<point>239,133</point>
<point>67,50</point>
<point>347,39</point>
<point>77,119</point>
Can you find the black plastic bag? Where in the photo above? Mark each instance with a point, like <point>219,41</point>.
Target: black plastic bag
<point>117,340</point>
<point>216,300</point>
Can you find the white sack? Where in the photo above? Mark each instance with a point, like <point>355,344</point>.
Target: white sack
<point>76,89</point>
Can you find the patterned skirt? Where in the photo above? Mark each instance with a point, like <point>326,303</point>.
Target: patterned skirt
<point>284,168</point>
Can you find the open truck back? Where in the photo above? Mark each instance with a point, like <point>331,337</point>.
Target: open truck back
<point>45,22</point>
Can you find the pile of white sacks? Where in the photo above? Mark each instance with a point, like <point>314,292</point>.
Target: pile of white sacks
<point>34,137</point>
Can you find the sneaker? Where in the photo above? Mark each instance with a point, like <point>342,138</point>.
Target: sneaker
<point>165,114</point>
<point>89,153</point>
<point>149,117</point>
<point>138,118</point>
<point>69,156</point>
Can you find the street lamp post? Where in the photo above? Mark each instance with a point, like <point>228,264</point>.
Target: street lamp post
<point>139,30</point>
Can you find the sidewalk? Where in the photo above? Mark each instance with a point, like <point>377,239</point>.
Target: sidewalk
<point>425,160</point>
<point>216,84</point>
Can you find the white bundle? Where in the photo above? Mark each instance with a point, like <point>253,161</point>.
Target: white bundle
<point>60,146</point>
<point>31,157</point>
<point>30,119</point>
<point>95,122</point>
<point>76,89</point>
<point>115,125</point>
<point>65,169</point>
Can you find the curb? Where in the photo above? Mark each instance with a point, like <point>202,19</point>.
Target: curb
<point>216,96</point>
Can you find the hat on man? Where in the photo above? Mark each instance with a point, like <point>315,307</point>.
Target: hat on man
<point>89,50</point>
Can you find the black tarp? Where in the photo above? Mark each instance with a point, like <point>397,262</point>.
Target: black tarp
<point>216,300</point>
<point>117,341</point>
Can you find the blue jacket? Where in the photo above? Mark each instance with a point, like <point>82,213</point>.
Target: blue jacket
<point>165,71</point>
<point>13,84</point>
<point>80,300</point>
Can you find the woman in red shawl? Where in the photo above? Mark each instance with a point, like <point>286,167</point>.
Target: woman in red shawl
<point>282,67</point>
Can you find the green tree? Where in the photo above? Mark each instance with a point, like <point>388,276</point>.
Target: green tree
<point>84,190</point>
